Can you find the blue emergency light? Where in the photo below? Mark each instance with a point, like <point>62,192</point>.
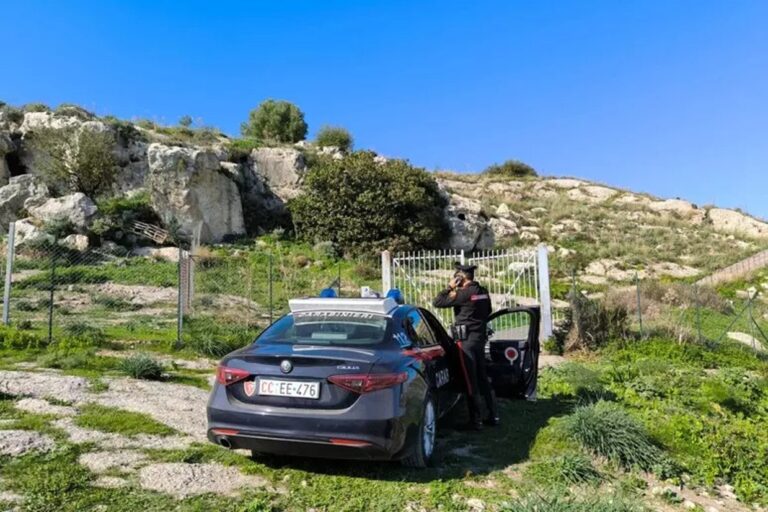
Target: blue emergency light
<point>396,295</point>
<point>328,293</point>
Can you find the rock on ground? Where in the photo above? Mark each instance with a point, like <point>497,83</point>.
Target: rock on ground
<point>21,192</point>
<point>76,207</point>
<point>183,480</point>
<point>19,442</point>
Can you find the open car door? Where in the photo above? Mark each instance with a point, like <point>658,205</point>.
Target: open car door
<point>512,352</point>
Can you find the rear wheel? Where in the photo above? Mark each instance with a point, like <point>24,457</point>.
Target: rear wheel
<point>425,440</point>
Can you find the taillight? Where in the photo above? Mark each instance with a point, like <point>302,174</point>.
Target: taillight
<point>368,383</point>
<point>227,376</point>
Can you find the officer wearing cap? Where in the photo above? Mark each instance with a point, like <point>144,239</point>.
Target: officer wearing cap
<point>471,305</point>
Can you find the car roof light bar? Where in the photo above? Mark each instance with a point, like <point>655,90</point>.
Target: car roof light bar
<point>379,306</point>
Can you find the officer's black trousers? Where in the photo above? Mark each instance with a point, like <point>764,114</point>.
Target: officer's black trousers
<point>476,376</point>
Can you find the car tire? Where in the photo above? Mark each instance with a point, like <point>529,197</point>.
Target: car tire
<point>424,443</point>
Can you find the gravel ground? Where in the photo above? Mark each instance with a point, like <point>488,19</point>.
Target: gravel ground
<point>124,461</point>
<point>178,406</point>
<point>19,442</point>
<point>79,435</point>
<point>40,406</point>
<point>183,480</point>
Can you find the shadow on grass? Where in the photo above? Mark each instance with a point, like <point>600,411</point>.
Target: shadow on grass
<point>457,453</point>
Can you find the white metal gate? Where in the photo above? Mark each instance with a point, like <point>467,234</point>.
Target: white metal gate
<point>512,277</point>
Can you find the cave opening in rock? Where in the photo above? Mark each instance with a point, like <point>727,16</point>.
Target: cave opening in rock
<point>14,164</point>
<point>461,216</point>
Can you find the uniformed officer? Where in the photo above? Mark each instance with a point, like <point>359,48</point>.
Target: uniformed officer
<point>471,305</point>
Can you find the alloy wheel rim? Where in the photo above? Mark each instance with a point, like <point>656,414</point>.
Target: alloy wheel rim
<point>429,429</point>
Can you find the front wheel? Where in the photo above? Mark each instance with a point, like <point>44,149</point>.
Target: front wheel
<point>425,441</point>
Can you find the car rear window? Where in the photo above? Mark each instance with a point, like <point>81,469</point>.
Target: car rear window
<point>327,328</point>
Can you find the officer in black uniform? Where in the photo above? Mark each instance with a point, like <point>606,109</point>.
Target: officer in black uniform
<point>471,305</point>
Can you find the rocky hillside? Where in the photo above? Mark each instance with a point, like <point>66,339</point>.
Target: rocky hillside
<point>603,233</point>
<point>202,179</point>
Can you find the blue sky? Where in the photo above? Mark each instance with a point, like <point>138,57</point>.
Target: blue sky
<point>668,97</point>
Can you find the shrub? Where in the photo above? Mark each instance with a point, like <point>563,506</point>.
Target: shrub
<point>363,206</point>
<point>606,429</point>
<point>334,136</point>
<point>12,114</point>
<point>72,110</point>
<point>36,107</point>
<point>276,121</point>
<point>209,338</point>
<point>77,160</point>
<point>326,249</point>
<point>185,121</point>
<point>59,227</point>
<point>567,469</point>
<point>142,366</point>
<point>590,324</point>
<point>81,334</point>
<point>119,213</point>
<point>17,339</point>
<point>510,169</point>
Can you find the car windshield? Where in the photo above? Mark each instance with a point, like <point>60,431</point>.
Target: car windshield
<point>343,328</point>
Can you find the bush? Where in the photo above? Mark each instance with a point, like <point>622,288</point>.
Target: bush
<point>209,338</point>
<point>59,227</point>
<point>567,469</point>
<point>511,169</point>
<point>335,136</point>
<point>142,366</point>
<point>185,121</point>
<point>590,324</point>
<point>119,213</point>
<point>81,334</point>
<point>36,107</point>
<point>276,121</point>
<point>72,110</point>
<point>12,114</point>
<point>76,160</point>
<point>17,339</point>
<point>607,430</point>
<point>363,206</point>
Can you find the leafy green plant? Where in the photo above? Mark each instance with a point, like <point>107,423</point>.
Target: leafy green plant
<point>606,429</point>
<point>36,107</point>
<point>82,334</point>
<point>334,136</point>
<point>276,122</point>
<point>142,366</point>
<point>210,338</point>
<point>76,160</point>
<point>363,206</point>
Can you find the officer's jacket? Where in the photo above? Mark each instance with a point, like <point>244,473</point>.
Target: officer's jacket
<point>471,305</point>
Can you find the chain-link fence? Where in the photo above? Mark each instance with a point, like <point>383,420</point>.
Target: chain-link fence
<point>209,299</point>
<point>681,311</point>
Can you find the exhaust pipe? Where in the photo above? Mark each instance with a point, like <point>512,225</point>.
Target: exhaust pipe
<point>223,441</point>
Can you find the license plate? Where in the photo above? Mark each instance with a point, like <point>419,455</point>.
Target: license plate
<point>289,388</point>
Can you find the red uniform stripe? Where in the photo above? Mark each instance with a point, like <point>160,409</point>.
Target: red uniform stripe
<point>464,369</point>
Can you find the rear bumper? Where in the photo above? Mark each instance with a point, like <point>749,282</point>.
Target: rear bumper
<point>332,448</point>
<point>375,427</point>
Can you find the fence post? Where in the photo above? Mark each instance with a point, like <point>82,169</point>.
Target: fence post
<point>461,257</point>
<point>386,272</point>
<point>639,305</point>
<point>53,287</point>
<point>698,312</point>
<point>544,297</point>
<point>271,307</point>
<point>9,273</point>
<point>180,301</point>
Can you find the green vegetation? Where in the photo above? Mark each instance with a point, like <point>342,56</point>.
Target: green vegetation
<point>510,169</point>
<point>566,469</point>
<point>76,160</point>
<point>276,122</point>
<point>362,206</point>
<point>185,121</point>
<point>118,421</point>
<point>142,366</point>
<point>335,136</point>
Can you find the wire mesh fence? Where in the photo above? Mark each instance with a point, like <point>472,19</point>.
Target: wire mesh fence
<point>680,311</point>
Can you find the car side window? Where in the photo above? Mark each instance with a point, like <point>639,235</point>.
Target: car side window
<point>438,332</point>
<point>418,330</point>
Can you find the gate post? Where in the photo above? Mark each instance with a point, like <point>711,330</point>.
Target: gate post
<point>544,298</point>
<point>386,272</point>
